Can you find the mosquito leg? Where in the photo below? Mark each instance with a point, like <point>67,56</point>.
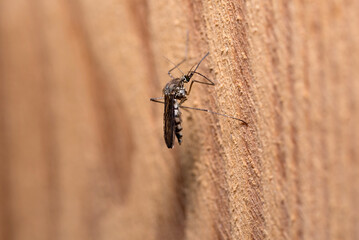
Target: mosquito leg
<point>169,73</point>
<point>209,80</point>
<point>157,100</point>
<point>209,111</point>
<point>196,81</point>
<point>185,58</point>
<point>183,100</point>
<point>176,66</point>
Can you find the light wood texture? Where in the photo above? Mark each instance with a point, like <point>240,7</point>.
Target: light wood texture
<point>81,146</point>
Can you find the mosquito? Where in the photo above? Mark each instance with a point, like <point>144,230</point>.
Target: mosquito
<point>174,95</point>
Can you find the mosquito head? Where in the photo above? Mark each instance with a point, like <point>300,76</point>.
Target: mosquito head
<point>187,78</point>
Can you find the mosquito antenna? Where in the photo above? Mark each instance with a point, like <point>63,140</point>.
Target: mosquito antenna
<point>220,114</point>
<point>198,63</point>
<point>191,68</point>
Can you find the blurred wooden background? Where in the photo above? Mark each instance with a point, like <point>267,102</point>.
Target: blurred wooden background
<point>81,146</point>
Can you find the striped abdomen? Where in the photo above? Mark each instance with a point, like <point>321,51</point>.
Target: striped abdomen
<point>178,120</point>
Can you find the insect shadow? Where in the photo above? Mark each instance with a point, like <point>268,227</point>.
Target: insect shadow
<point>175,94</point>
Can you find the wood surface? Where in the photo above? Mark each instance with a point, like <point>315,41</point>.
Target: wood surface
<point>82,149</point>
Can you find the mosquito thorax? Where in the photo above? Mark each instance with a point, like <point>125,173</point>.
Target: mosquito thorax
<point>181,93</point>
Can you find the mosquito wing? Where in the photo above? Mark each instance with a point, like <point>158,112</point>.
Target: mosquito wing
<point>168,118</point>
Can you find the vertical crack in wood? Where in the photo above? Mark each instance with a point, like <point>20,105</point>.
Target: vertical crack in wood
<point>117,142</point>
<point>6,214</point>
<point>48,121</point>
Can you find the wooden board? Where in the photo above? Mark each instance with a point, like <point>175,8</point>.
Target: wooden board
<point>82,149</point>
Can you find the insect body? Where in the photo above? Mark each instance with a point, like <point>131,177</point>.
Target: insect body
<point>174,95</point>
<point>172,121</point>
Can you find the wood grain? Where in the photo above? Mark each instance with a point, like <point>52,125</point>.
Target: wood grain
<point>82,149</point>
